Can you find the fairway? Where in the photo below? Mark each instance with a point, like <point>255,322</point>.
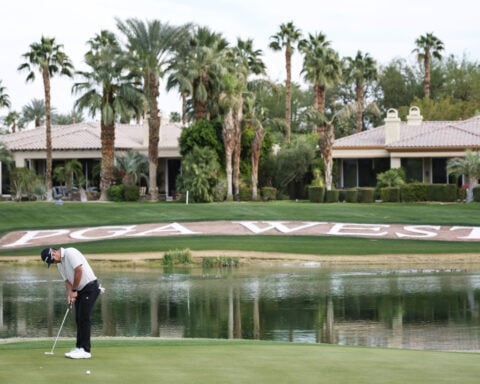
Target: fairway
<point>224,361</point>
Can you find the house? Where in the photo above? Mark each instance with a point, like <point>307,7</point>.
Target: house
<point>81,141</point>
<point>421,148</point>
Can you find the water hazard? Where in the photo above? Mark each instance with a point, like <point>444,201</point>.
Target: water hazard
<point>415,309</point>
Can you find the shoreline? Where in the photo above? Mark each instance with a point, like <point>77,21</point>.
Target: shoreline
<point>438,261</point>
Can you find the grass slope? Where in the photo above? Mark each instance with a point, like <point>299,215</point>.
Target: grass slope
<point>222,361</point>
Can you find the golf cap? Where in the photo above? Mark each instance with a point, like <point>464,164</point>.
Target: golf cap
<point>47,257</point>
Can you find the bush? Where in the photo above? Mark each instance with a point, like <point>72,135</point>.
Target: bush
<point>177,256</point>
<point>116,193</point>
<point>316,194</point>
<point>220,262</point>
<point>342,195</point>
<point>332,196</point>
<point>269,193</point>
<point>351,195</point>
<point>390,194</point>
<point>366,195</point>
<point>441,192</point>
<point>131,193</point>
<point>476,194</point>
<point>413,192</point>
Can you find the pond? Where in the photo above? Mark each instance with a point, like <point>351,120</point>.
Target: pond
<point>410,308</point>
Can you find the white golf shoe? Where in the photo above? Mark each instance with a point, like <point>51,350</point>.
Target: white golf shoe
<point>78,353</point>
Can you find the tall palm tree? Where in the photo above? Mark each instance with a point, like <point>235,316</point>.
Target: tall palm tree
<point>151,45</point>
<point>12,120</point>
<point>286,38</point>
<point>469,167</point>
<point>321,67</point>
<point>35,111</point>
<point>360,70</point>
<point>49,59</point>
<point>205,68</point>
<point>108,88</point>
<point>428,46</point>
<point>4,98</point>
<point>243,60</point>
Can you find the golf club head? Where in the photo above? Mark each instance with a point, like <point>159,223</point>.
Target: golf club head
<point>49,353</point>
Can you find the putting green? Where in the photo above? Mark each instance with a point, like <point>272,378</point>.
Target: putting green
<point>223,361</point>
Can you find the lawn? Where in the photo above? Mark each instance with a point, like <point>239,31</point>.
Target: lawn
<point>231,361</point>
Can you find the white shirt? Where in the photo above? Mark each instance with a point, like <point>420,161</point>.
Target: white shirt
<point>71,259</point>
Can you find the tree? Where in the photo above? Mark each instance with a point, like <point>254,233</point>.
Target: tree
<point>360,70</point>
<point>132,166</point>
<point>321,67</point>
<point>110,89</point>
<point>151,44</point>
<point>73,117</point>
<point>12,120</point>
<point>35,111</point>
<point>286,38</point>
<point>4,98</point>
<point>49,59</point>
<point>428,47</point>
<point>469,167</point>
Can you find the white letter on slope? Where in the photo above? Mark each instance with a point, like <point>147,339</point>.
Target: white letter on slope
<point>278,225</point>
<point>105,232</point>
<point>419,231</point>
<point>35,235</point>
<point>174,227</point>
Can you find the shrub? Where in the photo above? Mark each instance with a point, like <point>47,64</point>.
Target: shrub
<point>131,193</point>
<point>116,193</point>
<point>332,196</point>
<point>366,195</point>
<point>351,195</point>
<point>177,256</point>
<point>220,262</point>
<point>476,194</point>
<point>441,192</point>
<point>316,194</point>
<point>390,194</point>
<point>413,192</point>
<point>269,193</point>
<point>342,195</point>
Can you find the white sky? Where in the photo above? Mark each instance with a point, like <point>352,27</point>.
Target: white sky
<point>384,28</point>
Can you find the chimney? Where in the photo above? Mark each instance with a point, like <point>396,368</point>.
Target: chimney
<point>414,117</point>
<point>392,126</point>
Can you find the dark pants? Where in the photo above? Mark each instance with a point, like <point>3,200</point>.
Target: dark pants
<point>83,313</point>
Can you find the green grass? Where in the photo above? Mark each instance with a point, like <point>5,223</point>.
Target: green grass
<point>222,361</point>
<point>15,216</point>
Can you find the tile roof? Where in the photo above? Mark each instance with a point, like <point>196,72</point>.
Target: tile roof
<point>434,135</point>
<point>86,136</point>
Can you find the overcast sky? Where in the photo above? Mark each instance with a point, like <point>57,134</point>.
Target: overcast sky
<point>385,29</point>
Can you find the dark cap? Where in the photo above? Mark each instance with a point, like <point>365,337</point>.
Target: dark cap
<point>47,257</point>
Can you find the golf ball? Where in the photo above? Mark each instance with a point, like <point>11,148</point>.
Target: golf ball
<point>88,372</point>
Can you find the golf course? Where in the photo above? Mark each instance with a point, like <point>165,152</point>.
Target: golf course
<point>126,360</point>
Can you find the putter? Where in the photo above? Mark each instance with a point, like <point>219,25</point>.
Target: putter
<point>60,330</point>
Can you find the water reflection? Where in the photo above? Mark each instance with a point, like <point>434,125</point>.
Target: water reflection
<point>401,309</point>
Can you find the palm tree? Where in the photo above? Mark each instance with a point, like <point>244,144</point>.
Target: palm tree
<point>35,111</point>
<point>286,38</point>
<point>4,98</point>
<point>360,70</point>
<point>321,67</point>
<point>49,59</point>
<point>151,45</point>
<point>205,65</point>
<point>12,120</point>
<point>469,167</point>
<point>242,60</point>
<point>428,46</point>
<point>66,119</point>
<point>110,90</point>
<point>132,166</point>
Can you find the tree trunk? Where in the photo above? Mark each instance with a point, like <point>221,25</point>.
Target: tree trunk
<point>238,115</point>
<point>228,142</point>
<point>108,152</point>
<point>359,92</point>
<point>426,81</point>
<point>256,148</point>
<point>184,109</point>
<point>153,135</point>
<point>288,94</point>
<point>48,134</point>
<point>326,144</point>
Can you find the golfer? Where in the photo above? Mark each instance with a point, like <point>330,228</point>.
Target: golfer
<point>83,290</point>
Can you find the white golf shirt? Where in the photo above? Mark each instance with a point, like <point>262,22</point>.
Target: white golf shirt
<point>71,259</point>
